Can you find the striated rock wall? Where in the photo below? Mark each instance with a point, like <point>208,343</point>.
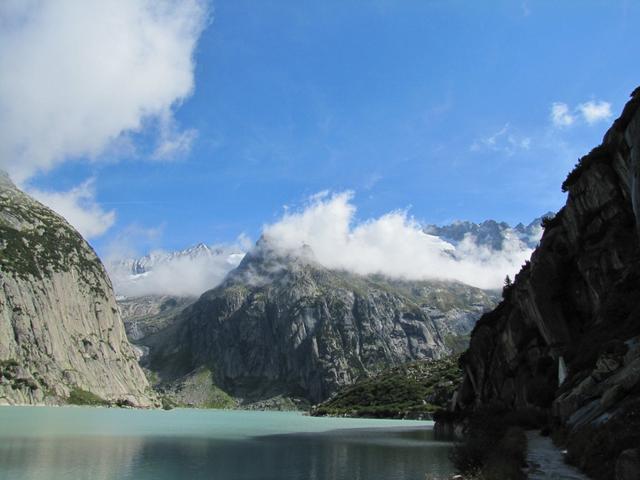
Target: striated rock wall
<point>576,304</point>
<point>60,328</point>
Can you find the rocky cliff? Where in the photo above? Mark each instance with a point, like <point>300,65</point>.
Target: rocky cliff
<point>281,324</point>
<point>60,331</point>
<point>566,337</point>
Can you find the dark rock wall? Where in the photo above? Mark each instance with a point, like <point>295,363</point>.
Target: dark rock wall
<point>576,303</point>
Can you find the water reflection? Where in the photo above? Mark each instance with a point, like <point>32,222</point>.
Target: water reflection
<point>361,454</point>
<point>104,444</point>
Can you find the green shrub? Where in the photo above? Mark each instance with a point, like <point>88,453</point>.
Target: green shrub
<point>84,397</point>
<point>167,403</point>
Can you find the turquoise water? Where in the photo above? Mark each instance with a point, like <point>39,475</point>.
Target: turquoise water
<point>39,443</point>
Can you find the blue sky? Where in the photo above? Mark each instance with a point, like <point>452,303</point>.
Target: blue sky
<point>441,107</point>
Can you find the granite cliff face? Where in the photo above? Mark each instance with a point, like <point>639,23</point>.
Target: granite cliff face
<point>283,325</point>
<point>566,337</point>
<point>60,331</point>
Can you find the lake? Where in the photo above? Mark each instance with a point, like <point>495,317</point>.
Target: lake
<point>39,443</point>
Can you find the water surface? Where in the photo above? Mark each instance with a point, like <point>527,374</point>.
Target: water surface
<point>39,443</point>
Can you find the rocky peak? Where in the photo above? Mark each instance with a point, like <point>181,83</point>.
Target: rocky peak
<point>267,262</point>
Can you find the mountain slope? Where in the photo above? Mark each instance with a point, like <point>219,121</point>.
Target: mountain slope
<point>60,332</point>
<point>566,337</point>
<point>412,390</point>
<point>281,324</point>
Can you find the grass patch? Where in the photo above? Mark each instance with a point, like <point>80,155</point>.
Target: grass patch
<point>79,396</point>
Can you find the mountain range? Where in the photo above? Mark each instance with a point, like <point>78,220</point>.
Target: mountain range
<point>150,274</point>
<point>490,233</point>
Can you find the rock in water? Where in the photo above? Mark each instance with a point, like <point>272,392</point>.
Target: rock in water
<point>60,330</point>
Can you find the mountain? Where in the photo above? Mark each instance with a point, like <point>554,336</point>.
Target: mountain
<point>491,234</point>
<point>61,338</point>
<point>565,340</point>
<point>283,325</point>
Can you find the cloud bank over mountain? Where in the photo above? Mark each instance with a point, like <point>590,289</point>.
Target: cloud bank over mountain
<point>188,272</point>
<point>394,244</point>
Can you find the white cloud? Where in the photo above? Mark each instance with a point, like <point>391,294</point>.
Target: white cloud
<point>505,140</point>
<point>393,244</point>
<point>593,111</point>
<point>590,112</point>
<point>560,115</point>
<point>78,74</point>
<point>78,206</point>
<point>189,274</point>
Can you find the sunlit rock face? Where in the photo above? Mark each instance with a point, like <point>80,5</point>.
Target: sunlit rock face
<point>282,324</point>
<point>577,303</point>
<point>59,324</point>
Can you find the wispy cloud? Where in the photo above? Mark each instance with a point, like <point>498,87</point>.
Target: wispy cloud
<point>505,140</point>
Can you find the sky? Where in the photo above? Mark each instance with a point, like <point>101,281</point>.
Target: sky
<point>161,124</point>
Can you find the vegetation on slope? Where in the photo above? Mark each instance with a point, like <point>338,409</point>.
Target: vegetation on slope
<point>416,389</point>
<point>195,390</point>
<point>84,397</point>
<point>44,243</point>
